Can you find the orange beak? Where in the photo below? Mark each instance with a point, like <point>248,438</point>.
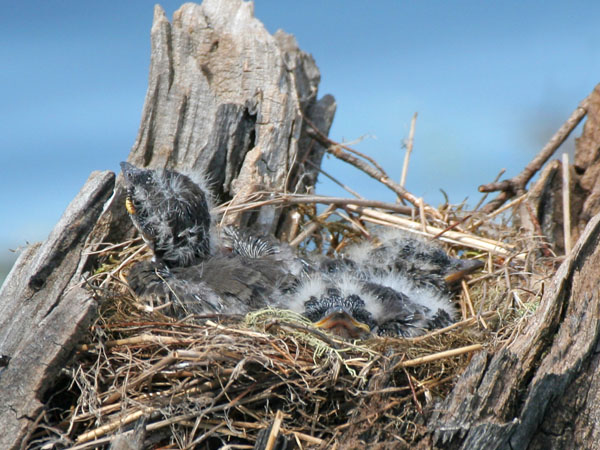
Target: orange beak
<point>344,325</point>
<point>129,206</point>
<point>468,267</point>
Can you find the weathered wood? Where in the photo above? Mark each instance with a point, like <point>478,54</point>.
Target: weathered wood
<point>509,400</point>
<point>42,311</point>
<point>541,212</point>
<point>587,162</point>
<point>227,99</point>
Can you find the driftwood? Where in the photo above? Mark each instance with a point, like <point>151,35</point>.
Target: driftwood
<point>225,98</point>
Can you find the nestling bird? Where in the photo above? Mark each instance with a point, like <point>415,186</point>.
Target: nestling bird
<point>394,285</point>
<point>221,284</point>
<point>172,213</point>
<point>392,250</point>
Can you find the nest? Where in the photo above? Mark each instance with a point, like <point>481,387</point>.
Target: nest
<point>270,379</point>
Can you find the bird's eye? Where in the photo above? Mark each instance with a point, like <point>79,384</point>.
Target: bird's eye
<point>129,205</point>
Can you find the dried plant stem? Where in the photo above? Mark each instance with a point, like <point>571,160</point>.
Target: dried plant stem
<point>468,301</point>
<point>498,211</point>
<point>115,425</point>
<point>409,148</point>
<point>374,171</point>
<point>274,431</point>
<point>485,195</point>
<point>335,180</point>
<point>312,226</point>
<point>457,237</point>
<point>112,246</point>
<point>308,438</point>
<point>422,216</point>
<point>295,199</point>
<point>137,340</point>
<point>437,356</point>
<point>454,326</point>
<point>566,203</point>
<point>164,362</point>
<point>123,264</point>
<point>329,142</point>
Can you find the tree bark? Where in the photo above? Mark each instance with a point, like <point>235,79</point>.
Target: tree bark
<point>44,310</point>
<point>227,99</point>
<point>541,390</point>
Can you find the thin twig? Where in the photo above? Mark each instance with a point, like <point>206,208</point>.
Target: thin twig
<point>566,200</point>
<point>437,356</point>
<point>295,199</point>
<point>335,180</point>
<point>451,227</point>
<point>312,226</point>
<point>164,362</point>
<point>308,438</point>
<point>409,147</point>
<point>330,142</point>
<point>498,211</point>
<point>468,240</point>
<point>413,391</point>
<point>461,324</point>
<point>485,195</point>
<point>274,430</point>
<point>112,426</point>
<point>374,171</point>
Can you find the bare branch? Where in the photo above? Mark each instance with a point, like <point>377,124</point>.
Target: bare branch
<point>516,185</point>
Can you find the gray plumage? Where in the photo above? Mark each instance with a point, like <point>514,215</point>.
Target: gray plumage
<point>397,251</point>
<point>172,213</point>
<point>393,285</point>
<point>390,304</point>
<point>219,285</point>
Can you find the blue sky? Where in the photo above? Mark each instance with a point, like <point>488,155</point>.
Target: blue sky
<point>491,82</point>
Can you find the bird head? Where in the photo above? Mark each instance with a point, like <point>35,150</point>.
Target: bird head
<point>171,212</point>
<point>345,316</point>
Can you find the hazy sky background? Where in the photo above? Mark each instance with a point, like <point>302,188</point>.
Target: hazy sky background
<point>491,82</point>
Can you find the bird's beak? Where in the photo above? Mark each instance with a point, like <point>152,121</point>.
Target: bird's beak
<point>129,206</point>
<point>468,266</point>
<point>343,324</point>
